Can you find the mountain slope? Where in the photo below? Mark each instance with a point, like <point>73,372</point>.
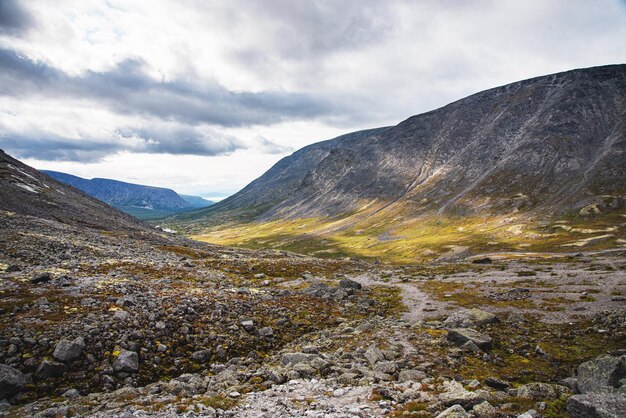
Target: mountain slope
<point>26,191</point>
<point>144,202</point>
<point>196,201</point>
<point>551,145</point>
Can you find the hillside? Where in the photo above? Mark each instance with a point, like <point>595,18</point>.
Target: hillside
<point>520,155</point>
<point>143,202</point>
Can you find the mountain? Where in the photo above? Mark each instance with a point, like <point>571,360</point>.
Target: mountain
<point>196,201</point>
<point>143,202</point>
<point>548,146</point>
<point>27,191</point>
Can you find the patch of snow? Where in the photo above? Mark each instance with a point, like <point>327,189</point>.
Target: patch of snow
<point>26,187</point>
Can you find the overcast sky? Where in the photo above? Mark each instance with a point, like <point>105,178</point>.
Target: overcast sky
<point>204,96</point>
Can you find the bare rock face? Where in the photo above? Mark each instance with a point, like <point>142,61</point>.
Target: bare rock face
<point>551,143</point>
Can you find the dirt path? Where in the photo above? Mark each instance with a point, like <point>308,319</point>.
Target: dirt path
<point>418,303</point>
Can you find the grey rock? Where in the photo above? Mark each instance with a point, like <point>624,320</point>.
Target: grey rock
<point>66,350</point>
<point>455,393</point>
<point>248,325</point>
<point>295,358</point>
<point>597,405</point>
<point>411,376</point>
<point>388,367</point>
<point>485,410</point>
<point>460,336</point>
<point>126,362</point>
<point>266,332</point>
<point>541,391</point>
<point>469,318</point>
<point>71,394</point>
<point>455,411</point>
<point>374,355</point>
<point>201,356</point>
<point>602,374</point>
<point>349,284</point>
<point>12,381</point>
<point>49,369</point>
<point>497,383</point>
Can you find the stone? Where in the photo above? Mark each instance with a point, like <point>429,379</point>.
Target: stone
<point>125,361</point>
<point>295,358</point>
<point>49,368</point>
<point>460,336</point>
<point>469,318</point>
<point>484,260</point>
<point>66,350</point>
<point>602,374</point>
<point>374,355</point>
<point>266,332</point>
<point>349,284</point>
<point>496,383</point>
<point>12,381</point>
<point>41,278</point>
<point>455,393</point>
<point>71,394</point>
<point>121,315</point>
<point>540,391</point>
<point>455,411</point>
<point>485,410</point>
<point>411,376</point>
<point>597,405</point>
<point>248,325</point>
<point>388,367</point>
<point>201,356</point>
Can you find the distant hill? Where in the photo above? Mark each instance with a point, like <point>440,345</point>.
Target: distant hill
<point>143,202</point>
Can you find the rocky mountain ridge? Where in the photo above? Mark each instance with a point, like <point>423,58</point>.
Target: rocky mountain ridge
<point>144,202</point>
<point>551,144</point>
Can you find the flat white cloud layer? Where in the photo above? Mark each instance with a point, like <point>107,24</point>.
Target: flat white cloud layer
<point>204,96</point>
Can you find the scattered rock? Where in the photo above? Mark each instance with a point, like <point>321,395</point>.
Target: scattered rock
<point>455,393</point>
<point>411,376</point>
<point>603,374</point>
<point>41,278</point>
<point>540,391</point>
<point>469,318</point>
<point>349,284</point>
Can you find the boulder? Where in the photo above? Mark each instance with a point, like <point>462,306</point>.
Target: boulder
<point>266,332</point>
<point>469,318</point>
<point>248,325</point>
<point>49,369</point>
<point>295,358</point>
<point>374,355</point>
<point>12,381</point>
<point>460,336</point>
<point>66,350</point>
<point>125,361</point>
<point>455,411</point>
<point>541,391</point>
<point>485,410</point>
<point>41,278</point>
<point>597,405</point>
<point>602,374</point>
<point>496,383</point>
<point>349,284</point>
<point>201,356</point>
<point>455,393</point>
<point>411,376</point>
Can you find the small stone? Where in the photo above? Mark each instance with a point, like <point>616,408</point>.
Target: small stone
<point>201,356</point>
<point>411,376</point>
<point>71,394</point>
<point>161,348</point>
<point>374,355</point>
<point>349,284</point>
<point>266,332</point>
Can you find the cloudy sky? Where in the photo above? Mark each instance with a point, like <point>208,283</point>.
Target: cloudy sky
<point>204,96</point>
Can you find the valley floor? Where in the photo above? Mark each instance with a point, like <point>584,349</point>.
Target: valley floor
<point>105,324</point>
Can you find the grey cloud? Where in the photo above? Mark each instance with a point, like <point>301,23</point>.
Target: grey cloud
<point>128,89</point>
<point>14,19</point>
<point>270,147</point>
<point>181,140</point>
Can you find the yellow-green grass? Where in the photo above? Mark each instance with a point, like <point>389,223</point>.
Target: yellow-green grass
<point>395,237</point>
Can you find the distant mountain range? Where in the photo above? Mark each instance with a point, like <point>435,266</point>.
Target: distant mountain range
<point>547,147</point>
<point>143,202</point>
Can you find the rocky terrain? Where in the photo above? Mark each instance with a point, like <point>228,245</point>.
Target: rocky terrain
<point>143,202</point>
<point>103,316</point>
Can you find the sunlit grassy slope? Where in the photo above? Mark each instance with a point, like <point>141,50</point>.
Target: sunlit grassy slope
<point>391,236</point>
